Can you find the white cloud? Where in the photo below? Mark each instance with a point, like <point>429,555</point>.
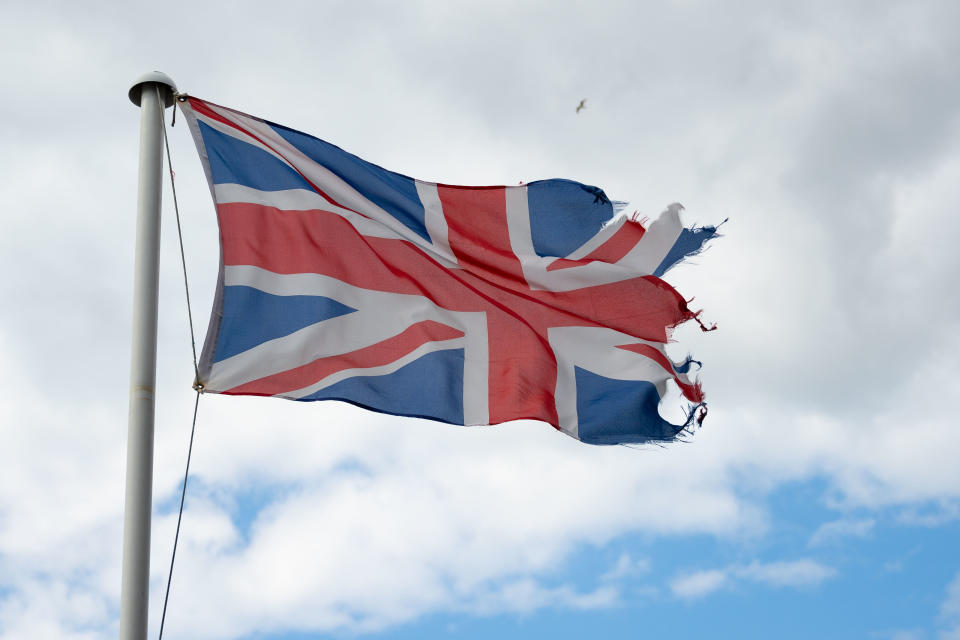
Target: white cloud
<point>698,584</point>
<point>796,574</point>
<point>950,607</point>
<point>836,530</point>
<point>950,610</point>
<point>940,513</point>
<point>404,531</point>
<point>53,609</point>
<point>525,596</point>
<point>627,567</point>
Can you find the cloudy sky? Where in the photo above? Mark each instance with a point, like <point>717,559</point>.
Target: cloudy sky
<point>822,497</point>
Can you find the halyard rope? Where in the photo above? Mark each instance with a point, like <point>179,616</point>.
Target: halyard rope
<point>193,346</point>
<point>183,495</point>
<point>183,259</point>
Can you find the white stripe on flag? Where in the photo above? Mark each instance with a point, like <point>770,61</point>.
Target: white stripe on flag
<point>605,233</point>
<point>236,134</point>
<point>343,334</point>
<point>300,200</point>
<point>436,222</point>
<point>595,349</point>
<point>393,367</point>
<point>535,267</point>
<point>656,243</point>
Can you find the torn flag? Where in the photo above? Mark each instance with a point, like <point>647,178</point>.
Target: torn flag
<point>341,280</point>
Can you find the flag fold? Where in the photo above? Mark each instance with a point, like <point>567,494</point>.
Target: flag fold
<point>341,280</point>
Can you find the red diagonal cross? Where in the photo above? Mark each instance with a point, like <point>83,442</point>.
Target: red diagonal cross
<point>522,366</point>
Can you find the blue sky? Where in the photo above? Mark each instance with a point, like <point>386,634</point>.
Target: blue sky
<point>878,588</point>
<point>822,497</point>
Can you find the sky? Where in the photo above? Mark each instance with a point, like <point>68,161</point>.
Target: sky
<point>821,498</point>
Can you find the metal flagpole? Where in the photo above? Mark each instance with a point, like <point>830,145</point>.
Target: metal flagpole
<point>147,93</point>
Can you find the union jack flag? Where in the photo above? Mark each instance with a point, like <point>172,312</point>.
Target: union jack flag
<point>469,305</point>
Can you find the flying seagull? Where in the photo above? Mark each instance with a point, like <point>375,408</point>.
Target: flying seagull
<point>582,105</point>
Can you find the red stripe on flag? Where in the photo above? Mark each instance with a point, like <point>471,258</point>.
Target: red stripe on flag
<point>611,251</point>
<point>376,355</point>
<point>323,242</point>
<point>478,232</point>
<point>691,392</point>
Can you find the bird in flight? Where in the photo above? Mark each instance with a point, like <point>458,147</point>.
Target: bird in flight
<point>582,105</point>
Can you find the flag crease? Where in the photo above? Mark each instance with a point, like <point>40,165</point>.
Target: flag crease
<point>341,280</point>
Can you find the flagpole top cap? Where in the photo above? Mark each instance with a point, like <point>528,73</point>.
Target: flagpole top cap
<point>167,87</point>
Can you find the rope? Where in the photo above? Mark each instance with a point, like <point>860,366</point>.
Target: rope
<point>183,258</point>
<point>196,372</point>
<point>183,496</point>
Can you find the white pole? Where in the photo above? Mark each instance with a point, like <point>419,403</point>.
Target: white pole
<point>135,585</point>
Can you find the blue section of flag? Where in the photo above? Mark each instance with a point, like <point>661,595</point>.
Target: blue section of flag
<point>689,243</point>
<point>394,193</point>
<point>564,214</point>
<point>429,387</point>
<point>234,161</point>
<point>685,367</point>
<point>251,316</point>
<point>617,411</point>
